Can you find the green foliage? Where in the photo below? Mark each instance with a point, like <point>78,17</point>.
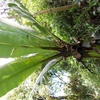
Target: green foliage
<point>15,72</point>
<point>24,41</point>
<point>67,25</point>
<point>20,43</point>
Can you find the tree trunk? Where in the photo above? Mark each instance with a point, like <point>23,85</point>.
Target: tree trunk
<point>51,10</point>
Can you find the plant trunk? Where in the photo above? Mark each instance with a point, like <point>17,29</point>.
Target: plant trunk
<point>51,10</point>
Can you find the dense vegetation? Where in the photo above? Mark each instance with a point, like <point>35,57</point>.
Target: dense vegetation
<point>80,23</point>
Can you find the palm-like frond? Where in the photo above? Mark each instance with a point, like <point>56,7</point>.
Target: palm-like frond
<point>26,46</point>
<point>12,74</point>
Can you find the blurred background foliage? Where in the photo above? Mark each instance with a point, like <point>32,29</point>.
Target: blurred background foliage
<point>78,22</point>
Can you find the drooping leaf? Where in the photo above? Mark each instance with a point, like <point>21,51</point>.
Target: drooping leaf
<point>12,74</point>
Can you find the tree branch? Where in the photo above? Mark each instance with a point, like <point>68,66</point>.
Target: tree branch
<point>51,10</point>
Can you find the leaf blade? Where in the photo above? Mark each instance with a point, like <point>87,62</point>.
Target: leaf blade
<point>16,42</point>
<point>12,74</point>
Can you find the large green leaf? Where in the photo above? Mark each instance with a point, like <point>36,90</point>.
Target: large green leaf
<point>15,42</point>
<point>12,74</point>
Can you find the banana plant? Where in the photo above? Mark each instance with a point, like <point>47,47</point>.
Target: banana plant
<point>31,48</point>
